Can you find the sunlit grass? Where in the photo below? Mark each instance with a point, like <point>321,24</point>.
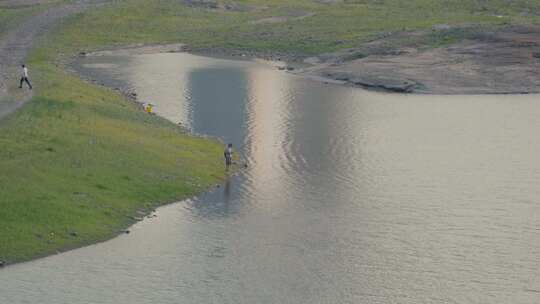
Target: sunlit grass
<point>332,27</point>
<point>78,162</point>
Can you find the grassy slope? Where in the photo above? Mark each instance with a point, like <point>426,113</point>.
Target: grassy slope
<point>11,16</point>
<point>82,159</point>
<point>333,27</point>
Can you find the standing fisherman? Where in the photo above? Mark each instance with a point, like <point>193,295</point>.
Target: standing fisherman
<point>24,77</point>
<point>228,155</point>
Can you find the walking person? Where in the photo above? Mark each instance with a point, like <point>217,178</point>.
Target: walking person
<point>24,77</point>
<point>228,155</point>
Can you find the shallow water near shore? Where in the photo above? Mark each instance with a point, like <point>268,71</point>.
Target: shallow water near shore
<point>350,196</point>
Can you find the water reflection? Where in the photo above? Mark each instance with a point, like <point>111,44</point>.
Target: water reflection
<point>219,203</point>
<point>217,98</point>
<point>267,118</point>
<point>349,197</point>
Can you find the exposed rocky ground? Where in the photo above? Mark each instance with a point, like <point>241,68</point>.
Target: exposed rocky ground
<point>500,61</point>
<point>505,60</point>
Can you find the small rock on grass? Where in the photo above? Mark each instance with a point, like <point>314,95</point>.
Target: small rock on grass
<point>2,263</point>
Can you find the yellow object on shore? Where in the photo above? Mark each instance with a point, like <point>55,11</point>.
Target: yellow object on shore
<point>149,107</point>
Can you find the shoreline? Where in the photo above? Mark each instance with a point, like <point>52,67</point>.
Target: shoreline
<point>444,74</point>
<point>491,60</point>
<point>293,64</point>
<point>482,60</point>
<point>142,213</point>
<point>339,73</point>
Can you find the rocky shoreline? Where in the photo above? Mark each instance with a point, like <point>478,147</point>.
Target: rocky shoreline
<point>501,61</point>
<point>504,60</point>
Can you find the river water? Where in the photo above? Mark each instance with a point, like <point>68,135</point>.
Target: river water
<point>350,197</point>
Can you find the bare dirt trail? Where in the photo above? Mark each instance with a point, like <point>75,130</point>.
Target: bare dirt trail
<point>16,44</point>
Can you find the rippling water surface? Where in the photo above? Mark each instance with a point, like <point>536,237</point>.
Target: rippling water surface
<point>350,197</point>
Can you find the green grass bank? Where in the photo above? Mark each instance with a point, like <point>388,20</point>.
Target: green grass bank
<point>11,15</point>
<point>79,161</point>
<point>304,27</point>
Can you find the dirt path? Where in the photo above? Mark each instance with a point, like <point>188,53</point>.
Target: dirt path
<point>16,44</point>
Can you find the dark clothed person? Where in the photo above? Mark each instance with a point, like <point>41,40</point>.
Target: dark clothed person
<point>228,155</point>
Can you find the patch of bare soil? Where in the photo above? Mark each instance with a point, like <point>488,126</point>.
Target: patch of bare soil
<point>139,49</point>
<point>241,7</point>
<point>202,3</point>
<point>233,6</point>
<point>292,16</point>
<point>502,61</point>
<point>328,1</point>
